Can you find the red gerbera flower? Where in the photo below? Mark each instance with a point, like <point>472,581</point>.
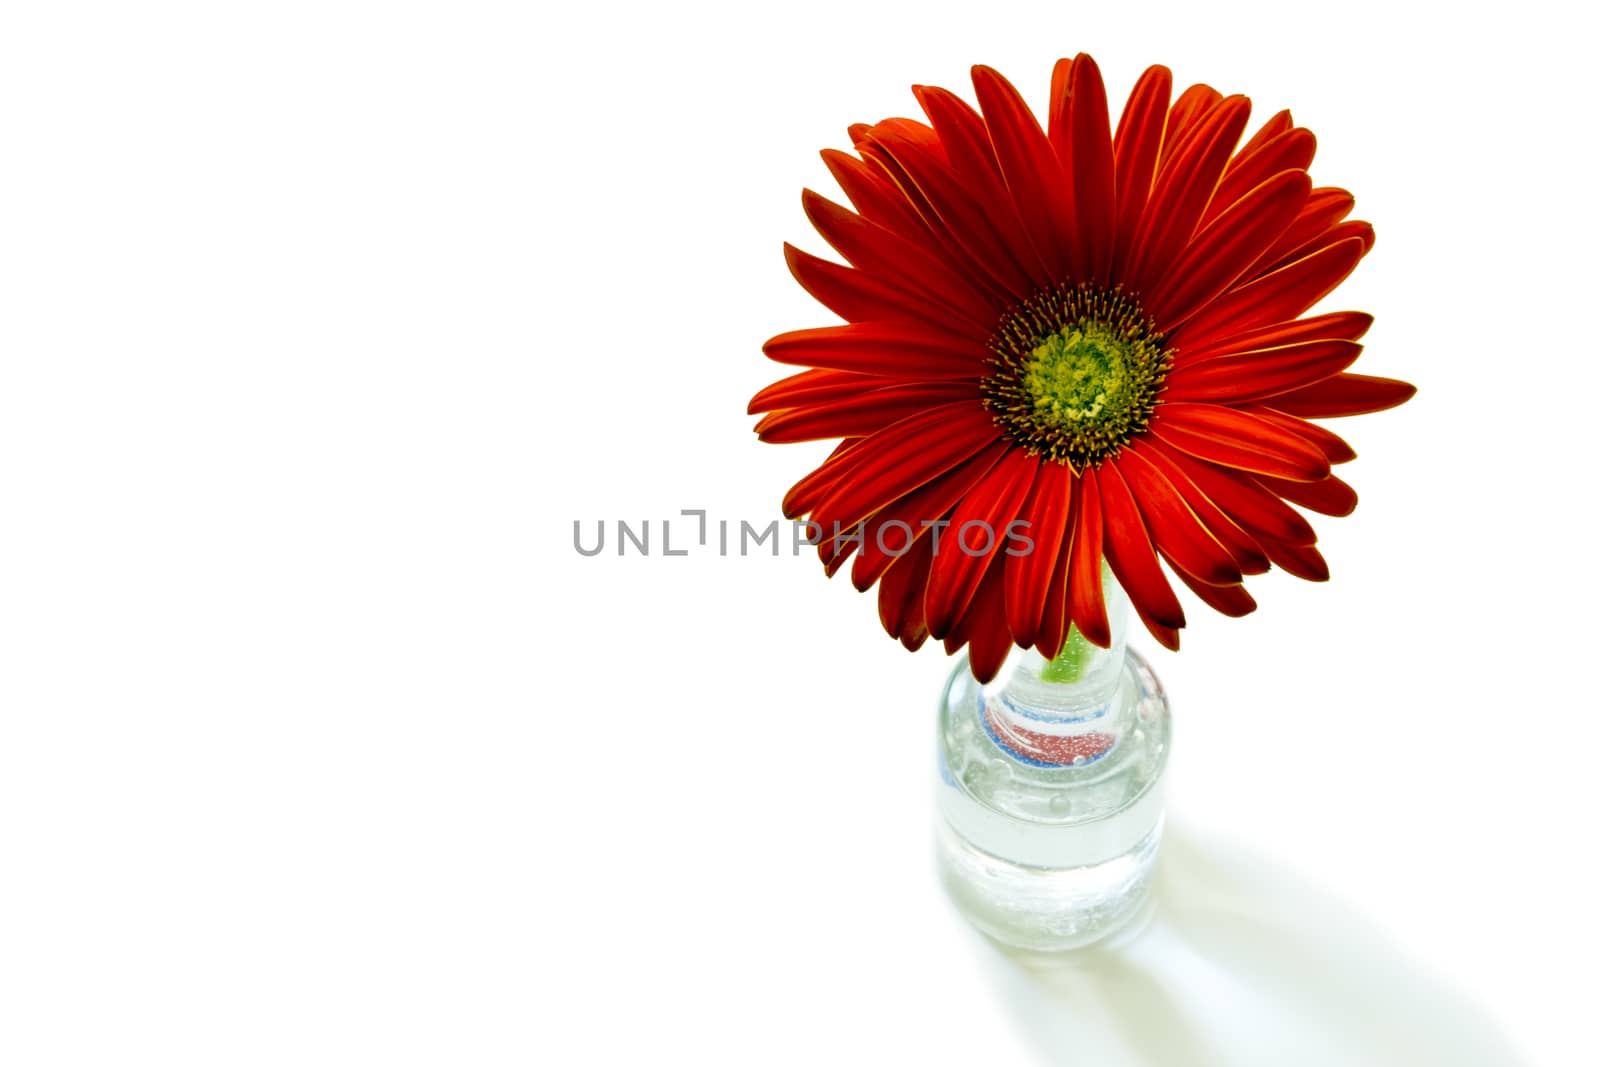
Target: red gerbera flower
<point>1094,334</point>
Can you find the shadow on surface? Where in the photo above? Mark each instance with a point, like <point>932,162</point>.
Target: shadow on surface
<point>1240,964</point>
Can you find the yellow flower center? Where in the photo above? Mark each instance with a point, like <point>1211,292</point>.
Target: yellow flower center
<point>1076,373</point>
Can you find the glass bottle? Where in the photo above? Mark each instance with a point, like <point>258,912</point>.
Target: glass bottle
<point>1050,790</point>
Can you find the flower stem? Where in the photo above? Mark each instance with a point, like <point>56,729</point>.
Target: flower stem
<point>1072,663</point>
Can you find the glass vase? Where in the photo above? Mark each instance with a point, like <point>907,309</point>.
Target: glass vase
<point>1050,791</point>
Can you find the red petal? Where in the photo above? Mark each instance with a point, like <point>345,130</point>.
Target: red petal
<point>1192,105</point>
<point>805,493</point>
<point>1291,150</point>
<point>1247,376</point>
<point>1336,448</point>
<point>1038,189</point>
<point>1323,208</point>
<point>1345,394</point>
<point>1234,438</point>
<point>1330,496</point>
<point>1054,614</point>
<point>915,635</point>
<point>1272,298</point>
<point>1086,597</point>
<point>1231,600</point>
<point>1343,231</point>
<point>900,596</point>
<point>878,199</point>
<point>1138,143</point>
<point>961,558</point>
<point>858,416</point>
<point>811,386</point>
<point>909,454</point>
<point>1059,123</point>
<point>1240,545</point>
<point>1183,186</point>
<point>1302,561</point>
<point>1270,131</point>
<point>1177,533</point>
<point>983,629</point>
<point>1048,513</point>
<point>1335,325</point>
<point>831,562</point>
<point>890,349</point>
<point>966,139</point>
<point>910,131</point>
<point>1128,550</point>
<point>859,297</point>
<point>875,190</point>
<point>963,225</point>
<point>1261,513</point>
<point>892,259</point>
<point>1090,165</point>
<point>1167,635</point>
<point>1220,254</point>
<point>929,503</point>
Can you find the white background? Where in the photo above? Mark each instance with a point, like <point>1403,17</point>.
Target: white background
<point>320,323</point>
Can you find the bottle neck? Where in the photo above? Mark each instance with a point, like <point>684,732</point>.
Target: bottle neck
<point>1065,712</point>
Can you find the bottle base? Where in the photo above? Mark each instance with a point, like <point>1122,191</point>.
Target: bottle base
<point>1046,909</point>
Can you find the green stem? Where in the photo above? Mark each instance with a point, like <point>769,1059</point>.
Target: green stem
<point>1073,661</point>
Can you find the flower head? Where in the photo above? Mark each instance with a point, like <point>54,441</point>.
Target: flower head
<point>1088,346</point>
